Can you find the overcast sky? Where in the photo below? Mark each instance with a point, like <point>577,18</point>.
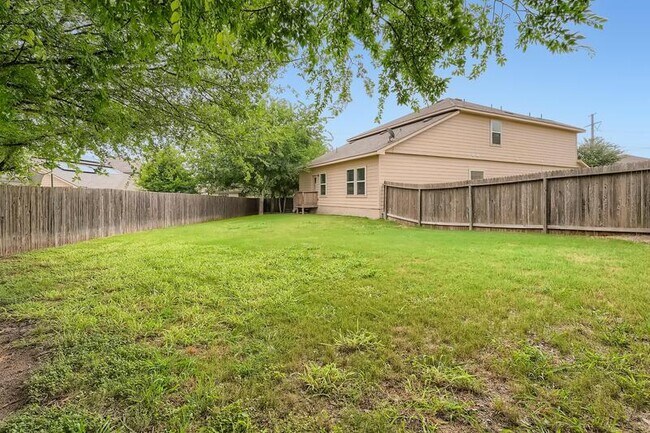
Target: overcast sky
<point>614,82</point>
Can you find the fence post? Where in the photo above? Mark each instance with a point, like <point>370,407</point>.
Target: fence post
<point>385,201</point>
<point>419,206</point>
<point>545,204</point>
<point>470,199</point>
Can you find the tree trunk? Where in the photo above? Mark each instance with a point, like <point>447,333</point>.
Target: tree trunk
<point>260,208</point>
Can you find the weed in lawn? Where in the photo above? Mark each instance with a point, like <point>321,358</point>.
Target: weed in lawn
<point>618,336</point>
<point>531,362</point>
<point>359,340</point>
<point>232,418</point>
<point>439,371</point>
<point>438,405</point>
<point>58,420</point>
<point>325,380</point>
<point>385,419</point>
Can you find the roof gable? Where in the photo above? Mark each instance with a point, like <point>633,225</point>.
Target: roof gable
<point>372,144</point>
<point>377,139</point>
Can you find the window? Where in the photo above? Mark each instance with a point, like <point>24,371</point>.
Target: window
<point>349,184</point>
<point>476,174</point>
<point>361,181</point>
<point>495,129</point>
<point>323,184</point>
<point>355,181</point>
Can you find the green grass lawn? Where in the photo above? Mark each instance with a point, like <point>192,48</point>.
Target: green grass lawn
<point>315,323</point>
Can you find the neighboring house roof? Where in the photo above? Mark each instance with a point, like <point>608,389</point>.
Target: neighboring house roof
<point>122,165</point>
<point>91,174</point>
<point>378,138</point>
<point>630,159</point>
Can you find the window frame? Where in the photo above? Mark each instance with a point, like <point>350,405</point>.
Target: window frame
<point>470,170</point>
<point>492,132</point>
<point>322,184</point>
<point>348,182</point>
<point>356,181</point>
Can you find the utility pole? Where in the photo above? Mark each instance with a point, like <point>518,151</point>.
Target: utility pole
<point>592,125</point>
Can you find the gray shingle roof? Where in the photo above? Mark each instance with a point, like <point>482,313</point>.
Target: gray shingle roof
<point>101,181</point>
<point>377,138</point>
<point>370,144</point>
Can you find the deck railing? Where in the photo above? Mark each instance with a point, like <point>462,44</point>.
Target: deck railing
<point>305,200</point>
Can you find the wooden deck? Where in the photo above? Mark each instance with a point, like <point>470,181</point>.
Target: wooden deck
<point>305,200</point>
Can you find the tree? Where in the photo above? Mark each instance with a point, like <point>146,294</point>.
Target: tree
<point>166,170</point>
<point>599,152</point>
<point>109,77</point>
<point>274,145</point>
<point>105,76</point>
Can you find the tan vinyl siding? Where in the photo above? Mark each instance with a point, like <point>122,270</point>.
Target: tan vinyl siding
<point>351,211</point>
<point>336,201</point>
<point>469,136</point>
<point>431,169</point>
<point>306,182</point>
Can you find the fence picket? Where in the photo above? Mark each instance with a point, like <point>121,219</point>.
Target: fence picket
<point>34,217</point>
<point>612,199</point>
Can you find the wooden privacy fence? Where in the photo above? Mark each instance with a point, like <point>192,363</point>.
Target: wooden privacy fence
<point>34,217</point>
<point>611,199</point>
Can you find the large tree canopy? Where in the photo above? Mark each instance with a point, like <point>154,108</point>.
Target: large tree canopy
<point>167,170</point>
<point>274,144</point>
<point>108,77</point>
<point>105,75</point>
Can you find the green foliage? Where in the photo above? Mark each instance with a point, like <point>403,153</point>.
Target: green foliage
<point>107,76</point>
<point>14,162</point>
<point>274,144</point>
<point>599,152</point>
<point>166,170</point>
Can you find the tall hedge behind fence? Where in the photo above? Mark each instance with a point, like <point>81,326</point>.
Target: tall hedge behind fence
<point>611,199</point>
<point>33,217</point>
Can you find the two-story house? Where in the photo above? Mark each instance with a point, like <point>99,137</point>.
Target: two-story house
<point>451,140</point>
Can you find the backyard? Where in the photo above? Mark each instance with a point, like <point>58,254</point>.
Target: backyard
<point>316,323</point>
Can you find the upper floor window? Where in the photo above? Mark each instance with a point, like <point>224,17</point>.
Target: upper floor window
<point>476,174</point>
<point>355,181</point>
<point>495,132</point>
<point>323,184</point>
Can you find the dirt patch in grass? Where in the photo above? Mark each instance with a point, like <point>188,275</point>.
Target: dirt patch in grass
<point>16,363</point>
